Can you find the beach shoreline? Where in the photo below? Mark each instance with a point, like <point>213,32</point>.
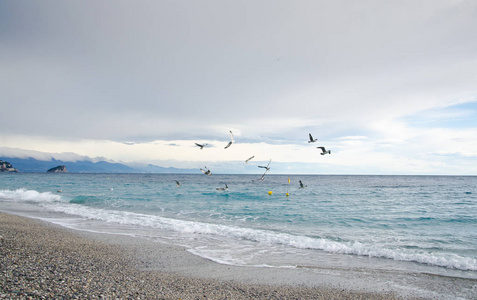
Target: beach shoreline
<point>44,260</point>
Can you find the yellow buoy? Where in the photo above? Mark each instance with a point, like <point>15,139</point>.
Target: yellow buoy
<point>287,194</point>
<point>270,192</point>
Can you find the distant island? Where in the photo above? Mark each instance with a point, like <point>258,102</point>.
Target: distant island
<point>58,169</point>
<point>5,166</point>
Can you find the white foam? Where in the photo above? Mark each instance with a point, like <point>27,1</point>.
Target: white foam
<point>265,237</point>
<point>269,237</point>
<point>29,195</point>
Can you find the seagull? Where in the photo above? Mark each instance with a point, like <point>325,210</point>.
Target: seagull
<point>312,140</point>
<point>206,172</point>
<point>231,140</point>
<point>201,146</point>
<point>248,159</point>
<point>302,185</point>
<point>323,150</point>
<point>178,183</point>
<point>266,167</point>
<point>222,189</point>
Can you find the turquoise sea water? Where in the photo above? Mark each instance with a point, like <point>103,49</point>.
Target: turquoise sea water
<point>423,224</point>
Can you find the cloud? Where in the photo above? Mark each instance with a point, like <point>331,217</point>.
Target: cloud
<point>104,76</point>
<point>44,156</point>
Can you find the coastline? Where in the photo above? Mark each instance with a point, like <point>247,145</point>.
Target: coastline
<point>44,260</point>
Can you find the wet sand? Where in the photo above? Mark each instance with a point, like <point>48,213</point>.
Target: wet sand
<point>40,260</point>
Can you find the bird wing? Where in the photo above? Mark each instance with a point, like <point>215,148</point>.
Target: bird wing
<point>322,148</point>
<point>228,145</point>
<point>267,166</point>
<point>231,136</point>
<point>199,145</point>
<point>311,137</point>
<point>263,176</point>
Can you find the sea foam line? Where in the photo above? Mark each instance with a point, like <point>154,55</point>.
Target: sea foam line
<point>54,202</point>
<point>447,260</point>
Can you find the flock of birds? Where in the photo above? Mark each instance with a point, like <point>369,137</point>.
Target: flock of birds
<point>207,172</point>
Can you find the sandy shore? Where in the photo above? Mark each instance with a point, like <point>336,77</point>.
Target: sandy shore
<point>40,260</point>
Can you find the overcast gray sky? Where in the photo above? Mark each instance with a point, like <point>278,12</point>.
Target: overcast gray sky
<point>389,86</point>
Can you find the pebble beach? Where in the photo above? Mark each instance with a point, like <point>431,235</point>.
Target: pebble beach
<point>40,260</point>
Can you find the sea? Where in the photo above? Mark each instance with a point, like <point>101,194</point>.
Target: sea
<point>412,224</point>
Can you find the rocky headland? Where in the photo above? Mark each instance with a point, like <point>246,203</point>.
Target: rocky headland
<point>58,169</point>
<point>5,166</point>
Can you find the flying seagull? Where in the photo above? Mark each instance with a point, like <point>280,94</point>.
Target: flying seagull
<point>248,159</point>
<point>231,140</point>
<point>222,188</point>
<point>206,171</point>
<point>177,183</point>
<point>201,146</point>
<point>312,140</point>
<point>302,185</point>
<point>267,166</point>
<point>323,151</point>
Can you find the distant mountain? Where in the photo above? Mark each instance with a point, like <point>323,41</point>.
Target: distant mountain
<point>156,169</point>
<point>31,165</point>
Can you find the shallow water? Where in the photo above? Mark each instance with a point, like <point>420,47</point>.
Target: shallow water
<point>412,224</point>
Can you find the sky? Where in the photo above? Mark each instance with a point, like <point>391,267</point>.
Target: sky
<point>390,87</point>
